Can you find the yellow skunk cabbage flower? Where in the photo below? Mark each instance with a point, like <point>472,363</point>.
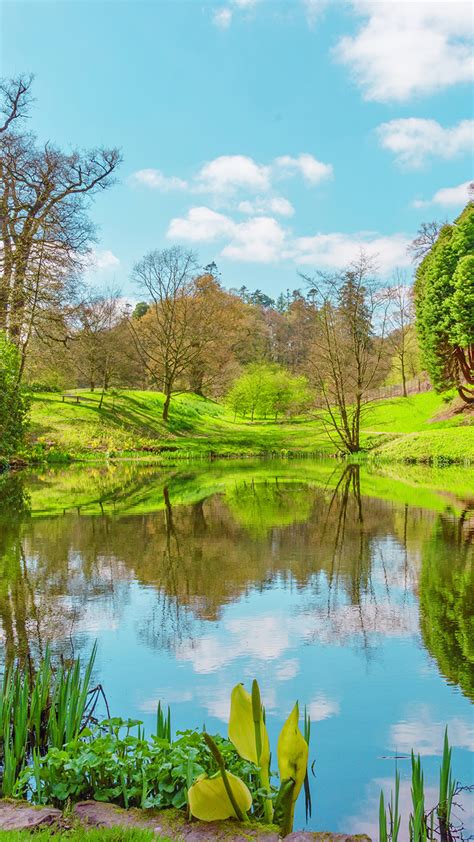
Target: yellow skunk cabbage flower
<point>209,800</point>
<point>246,732</point>
<point>292,752</point>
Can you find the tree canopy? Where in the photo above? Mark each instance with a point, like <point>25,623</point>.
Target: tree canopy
<point>444,299</point>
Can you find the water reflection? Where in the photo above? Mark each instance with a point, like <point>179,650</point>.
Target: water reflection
<point>338,585</point>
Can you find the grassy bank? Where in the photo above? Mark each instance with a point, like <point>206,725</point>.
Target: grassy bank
<point>130,424</point>
<point>80,834</point>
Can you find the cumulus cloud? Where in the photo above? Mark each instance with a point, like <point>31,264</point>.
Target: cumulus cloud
<point>336,250</point>
<point>229,173</point>
<point>157,181</point>
<point>259,240</point>
<point>100,260</point>
<point>448,196</point>
<point>262,239</point>
<point>424,734</point>
<point>262,638</point>
<point>415,140</point>
<point>200,225</point>
<point>275,204</point>
<point>408,48</point>
<point>322,708</point>
<point>312,170</point>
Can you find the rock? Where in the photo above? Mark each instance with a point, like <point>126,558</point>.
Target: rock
<point>19,815</point>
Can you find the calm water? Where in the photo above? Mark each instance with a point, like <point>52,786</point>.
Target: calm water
<point>350,590</point>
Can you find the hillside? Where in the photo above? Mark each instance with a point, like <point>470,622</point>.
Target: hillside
<point>130,424</point>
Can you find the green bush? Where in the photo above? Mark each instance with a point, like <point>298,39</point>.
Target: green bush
<point>14,403</point>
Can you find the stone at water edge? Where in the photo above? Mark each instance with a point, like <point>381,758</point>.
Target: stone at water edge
<point>19,815</point>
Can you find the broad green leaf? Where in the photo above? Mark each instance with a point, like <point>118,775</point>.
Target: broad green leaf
<point>209,801</point>
<point>242,730</point>
<point>292,752</point>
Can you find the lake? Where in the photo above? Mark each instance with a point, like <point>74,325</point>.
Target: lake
<point>350,589</point>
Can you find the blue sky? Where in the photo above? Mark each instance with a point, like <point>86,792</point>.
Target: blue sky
<point>271,137</point>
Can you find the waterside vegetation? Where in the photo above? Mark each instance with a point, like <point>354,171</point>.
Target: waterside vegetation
<point>55,750</point>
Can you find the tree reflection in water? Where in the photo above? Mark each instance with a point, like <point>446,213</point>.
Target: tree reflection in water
<point>202,540</point>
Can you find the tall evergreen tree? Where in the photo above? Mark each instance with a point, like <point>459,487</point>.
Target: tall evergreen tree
<point>444,300</point>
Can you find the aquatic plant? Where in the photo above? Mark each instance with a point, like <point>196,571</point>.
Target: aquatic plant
<point>421,827</point>
<point>45,709</point>
<point>447,787</point>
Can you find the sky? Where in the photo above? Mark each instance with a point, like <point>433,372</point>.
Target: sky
<point>270,137</point>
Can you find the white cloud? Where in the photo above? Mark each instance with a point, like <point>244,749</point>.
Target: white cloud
<point>425,735</point>
<point>448,196</point>
<point>201,224</point>
<point>263,638</point>
<point>313,10</point>
<point>275,204</point>
<point>335,251</point>
<point>229,173</point>
<point>413,140</point>
<point>157,181</point>
<point>322,708</point>
<point>287,670</point>
<point>259,240</point>
<point>100,260</point>
<point>222,18</point>
<point>312,170</point>
<point>409,47</point>
<point>262,239</point>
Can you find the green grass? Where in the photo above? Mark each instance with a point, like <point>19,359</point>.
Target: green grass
<point>441,446</point>
<point>131,425</point>
<point>80,834</point>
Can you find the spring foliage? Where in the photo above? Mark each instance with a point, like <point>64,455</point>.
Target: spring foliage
<point>14,403</point>
<point>444,298</point>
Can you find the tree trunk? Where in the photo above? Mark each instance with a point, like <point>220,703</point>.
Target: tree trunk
<point>404,377</point>
<point>166,407</point>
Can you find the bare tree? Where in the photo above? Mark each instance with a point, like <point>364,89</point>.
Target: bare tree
<point>45,230</point>
<point>424,241</point>
<point>98,348</point>
<point>15,98</point>
<point>162,336</point>
<point>401,338</point>
<point>347,358</point>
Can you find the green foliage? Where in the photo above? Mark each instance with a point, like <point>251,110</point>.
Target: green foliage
<point>114,762</point>
<point>447,787</point>
<point>444,298</point>
<point>14,403</point>
<point>38,711</point>
<point>264,389</point>
<point>420,824</point>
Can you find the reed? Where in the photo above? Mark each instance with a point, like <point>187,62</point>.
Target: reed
<point>447,788</point>
<point>40,711</point>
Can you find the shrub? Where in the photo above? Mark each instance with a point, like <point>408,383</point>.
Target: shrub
<point>14,403</point>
